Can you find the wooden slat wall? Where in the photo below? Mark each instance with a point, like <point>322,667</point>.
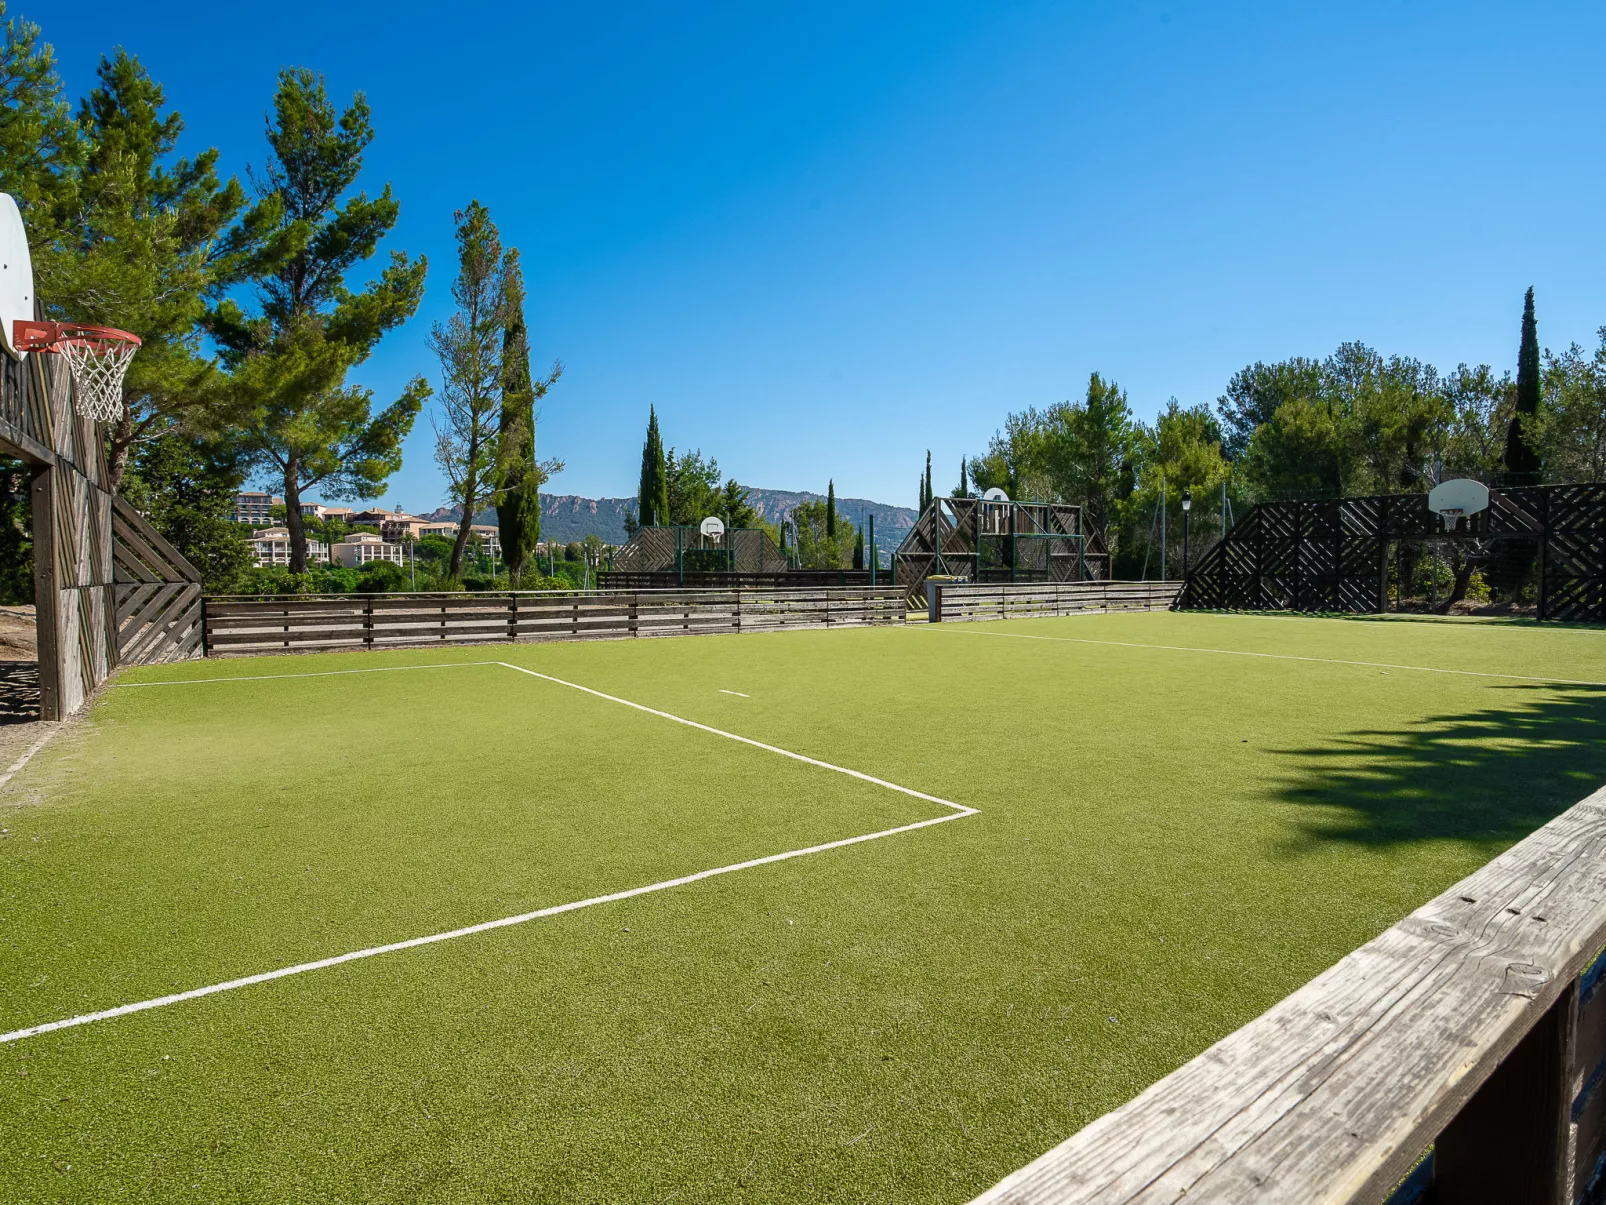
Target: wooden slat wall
<point>158,616</point>
<point>962,601</point>
<point>255,625</point>
<point>1473,1025</point>
<point>83,613</point>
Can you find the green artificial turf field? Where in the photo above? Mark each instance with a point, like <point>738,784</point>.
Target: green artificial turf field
<point>1167,841</point>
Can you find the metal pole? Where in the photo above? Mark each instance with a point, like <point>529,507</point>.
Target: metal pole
<point>1162,527</point>
<point>1185,516</point>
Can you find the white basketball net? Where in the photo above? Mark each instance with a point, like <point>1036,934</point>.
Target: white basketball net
<point>98,365</point>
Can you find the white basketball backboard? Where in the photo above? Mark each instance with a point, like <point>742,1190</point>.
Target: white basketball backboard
<point>1458,496</point>
<point>16,274</point>
<point>713,527</point>
<point>995,495</point>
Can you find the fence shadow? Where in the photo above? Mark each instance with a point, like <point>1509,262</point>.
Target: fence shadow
<point>1489,776</point>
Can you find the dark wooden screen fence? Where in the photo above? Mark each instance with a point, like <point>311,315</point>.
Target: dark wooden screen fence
<point>1333,554</point>
<point>309,622</point>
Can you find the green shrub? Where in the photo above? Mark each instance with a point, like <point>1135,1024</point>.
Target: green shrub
<point>381,577</point>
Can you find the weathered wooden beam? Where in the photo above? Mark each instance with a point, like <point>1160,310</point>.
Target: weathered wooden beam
<point>1330,1096</point>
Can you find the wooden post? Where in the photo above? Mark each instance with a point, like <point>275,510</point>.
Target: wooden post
<point>1509,1144</point>
<point>46,595</point>
<point>513,618</point>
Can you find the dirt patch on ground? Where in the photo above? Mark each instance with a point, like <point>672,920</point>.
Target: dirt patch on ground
<point>17,638</point>
<point>19,684</point>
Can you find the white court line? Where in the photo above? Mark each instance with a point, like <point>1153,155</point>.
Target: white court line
<point>1183,648</point>
<point>467,931</point>
<point>27,755</point>
<point>747,740</point>
<point>328,673</point>
<point>737,693</point>
<point>960,811</point>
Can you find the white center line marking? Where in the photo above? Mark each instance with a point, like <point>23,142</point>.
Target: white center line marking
<point>737,693</point>
<point>959,812</point>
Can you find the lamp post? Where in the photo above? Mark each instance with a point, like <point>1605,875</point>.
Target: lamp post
<point>1187,505</point>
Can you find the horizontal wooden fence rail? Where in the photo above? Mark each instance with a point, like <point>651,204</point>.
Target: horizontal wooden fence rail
<point>961,601</point>
<point>1474,1027</point>
<point>236,624</point>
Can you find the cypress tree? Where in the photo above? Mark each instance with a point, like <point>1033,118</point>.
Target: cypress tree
<point>1511,561</point>
<point>652,494</point>
<point>518,505</point>
<point>964,478</point>
<point>1522,458</point>
<point>930,494</point>
<point>858,550</point>
<point>830,510</point>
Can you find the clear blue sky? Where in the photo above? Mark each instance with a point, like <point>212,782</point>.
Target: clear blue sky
<point>824,237</point>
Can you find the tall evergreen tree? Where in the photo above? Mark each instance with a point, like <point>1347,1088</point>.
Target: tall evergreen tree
<point>300,421</point>
<point>858,549</point>
<point>469,346</point>
<point>964,478</point>
<point>652,494</point>
<point>929,494</point>
<point>41,147</point>
<point>1522,453</point>
<point>518,499</point>
<point>1511,560</point>
<point>151,242</point>
<point>830,510</point>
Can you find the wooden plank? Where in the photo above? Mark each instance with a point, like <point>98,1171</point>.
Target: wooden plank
<point>154,540</point>
<point>1332,1094</point>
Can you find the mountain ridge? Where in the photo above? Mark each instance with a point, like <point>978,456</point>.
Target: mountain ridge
<point>567,517</point>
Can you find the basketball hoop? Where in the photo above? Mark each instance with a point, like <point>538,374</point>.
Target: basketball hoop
<point>97,357</point>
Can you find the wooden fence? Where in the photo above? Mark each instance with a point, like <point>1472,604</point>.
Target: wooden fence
<point>1475,1027</point>
<point>960,601</point>
<point>236,624</point>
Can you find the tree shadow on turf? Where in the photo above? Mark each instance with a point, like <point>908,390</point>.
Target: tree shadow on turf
<point>1489,777</point>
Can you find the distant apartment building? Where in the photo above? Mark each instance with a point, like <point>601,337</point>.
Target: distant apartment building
<point>392,524</point>
<point>271,546</point>
<point>317,510</point>
<point>490,536</point>
<point>357,550</point>
<point>254,507</point>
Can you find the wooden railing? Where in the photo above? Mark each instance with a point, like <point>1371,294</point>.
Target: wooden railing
<point>960,601</point>
<point>257,624</point>
<point>1471,1033</point>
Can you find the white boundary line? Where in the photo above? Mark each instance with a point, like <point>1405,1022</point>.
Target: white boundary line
<point>959,812</point>
<point>27,755</point>
<point>1182,648</point>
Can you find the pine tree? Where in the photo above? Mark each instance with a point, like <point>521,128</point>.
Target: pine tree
<point>930,494</point>
<point>964,479</point>
<point>303,424</point>
<point>858,550</point>
<point>830,510</point>
<point>1522,457</point>
<point>652,494</point>
<point>152,239</point>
